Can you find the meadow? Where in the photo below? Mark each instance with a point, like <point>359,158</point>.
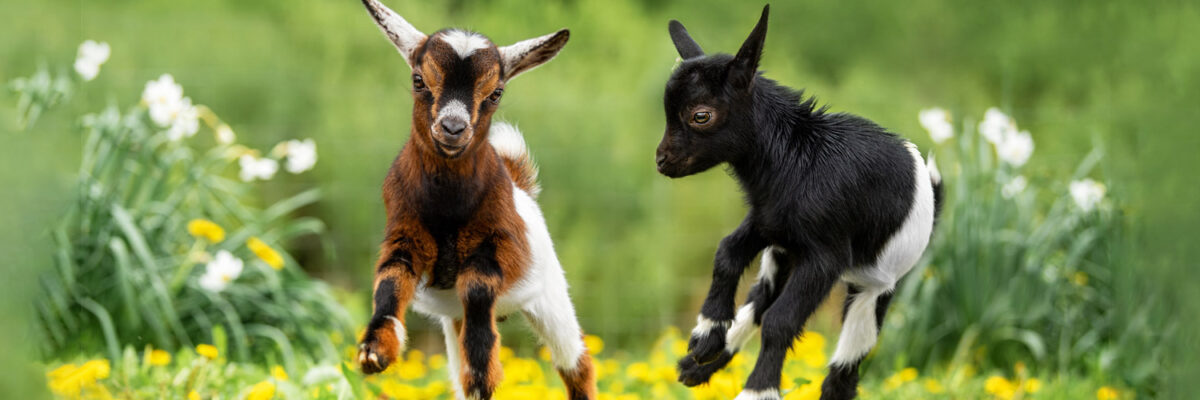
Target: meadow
<point>1063,130</point>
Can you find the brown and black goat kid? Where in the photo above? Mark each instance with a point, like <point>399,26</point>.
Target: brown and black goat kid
<point>465,242</point>
<point>831,197</point>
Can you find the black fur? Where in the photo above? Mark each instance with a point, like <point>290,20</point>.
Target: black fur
<point>478,337</point>
<point>830,189</point>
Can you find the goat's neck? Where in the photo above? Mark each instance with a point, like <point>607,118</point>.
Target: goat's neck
<point>777,150</point>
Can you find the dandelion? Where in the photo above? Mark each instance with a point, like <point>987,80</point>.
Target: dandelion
<point>594,344</point>
<point>1015,148</point>
<point>264,390</point>
<point>193,395</point>
<point>224,268</point>
<point>937,122</point>
<point>933,386</point>
<point>70,380</point>
<point>1087,194</point>
<point>256,168</point>
<point>1107,393</point>
<point>999,387</point>
<point>158,357</point>
<point>301,155</point>
<point>1014,187</point>
<point>279,373</point>
<point>207,350</point>
<point>1033,385</point>
<point>90,57</point>
<point>1079,278</point>
<point>996,125</point>
<point>205,229</point>
<point>265,252</point>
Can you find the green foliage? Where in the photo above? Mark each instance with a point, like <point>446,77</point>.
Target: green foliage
<point>1028,275</point>
<point>126,269</point>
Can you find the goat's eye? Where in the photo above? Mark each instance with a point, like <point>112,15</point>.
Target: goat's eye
<point>702,117</point>
<point>418,83</point>
<point>496,95</point>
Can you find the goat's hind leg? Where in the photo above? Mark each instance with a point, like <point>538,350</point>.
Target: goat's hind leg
<point>772,274</point>
<point>861,320</point>
<point>552,318</point>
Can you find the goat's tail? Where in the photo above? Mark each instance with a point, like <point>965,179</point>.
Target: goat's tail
<point>935,178</point>
<point>510,145</point>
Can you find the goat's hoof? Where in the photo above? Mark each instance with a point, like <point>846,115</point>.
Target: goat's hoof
<point>374,357</point>
<point>692,373</point>
<point>705,350</point>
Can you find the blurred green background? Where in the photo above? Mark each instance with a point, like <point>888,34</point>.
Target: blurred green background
<point>637,247</point>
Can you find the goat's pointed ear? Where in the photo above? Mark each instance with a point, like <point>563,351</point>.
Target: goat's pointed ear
<point>745,64</point>
<point>523,56</point>
<point>684,44</point>
<point>402,34</point>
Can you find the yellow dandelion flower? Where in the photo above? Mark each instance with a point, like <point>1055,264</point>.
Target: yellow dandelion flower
<point>264,390</point>
<point>506,353</point>
<point>437,361</point>
<point>1107,393</point>
<point>1033,385</point>
<point>193,395</point>
<point>410,370</point>
<point>933,386</point>
<point>678,348</point>
<point>544,353</point>
<point>594,344</point>
<point>205,229</point>
<point>265,252</point>
<point>159,358</point>
<point>808,391</point>
<point>279,373</point>
<point>999,387</point>
<point>207,350</point>
<point>1079,278</point>
<point>638,370</point>
<point>908,374</point>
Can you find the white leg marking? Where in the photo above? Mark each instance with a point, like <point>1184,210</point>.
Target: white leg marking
<point>766,394</point>
<point>859,332</point>
<point>743,329</point>
<point>464,43</point>
<point>705,325</point>
<point>453,359</point>
<point>550,312</point>
<point>401,334</point>
<point>766,270</point>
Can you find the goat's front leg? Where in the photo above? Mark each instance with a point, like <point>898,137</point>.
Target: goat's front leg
<point>395,283</point>
<point>716,315</point>
<point>776,267</point>
<point>478,287</point>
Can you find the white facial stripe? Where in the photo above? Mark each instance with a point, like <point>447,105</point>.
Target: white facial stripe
<point>464,43</point>
<point>453,109</point>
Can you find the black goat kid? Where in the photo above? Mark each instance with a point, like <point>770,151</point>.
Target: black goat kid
<point>831,197</point>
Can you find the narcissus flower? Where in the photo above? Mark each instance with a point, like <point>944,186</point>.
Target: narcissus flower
<point>90,57</point>
<point>224,268</point>
<point>256,168</point>
<point>301,155</point>
<point>937,122</point>
<point>265,253</point>
<point>1087,194</point>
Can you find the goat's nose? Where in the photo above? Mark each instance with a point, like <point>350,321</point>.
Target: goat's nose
<point>660,159</point>
<point>453,127</point>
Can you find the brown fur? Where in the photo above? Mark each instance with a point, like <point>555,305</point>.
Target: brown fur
<point>581,382</point>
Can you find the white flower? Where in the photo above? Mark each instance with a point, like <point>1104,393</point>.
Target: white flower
<point>90,57</point>
<point>257,168</point>
<point>164,97</point>
<point>185,121</point>
<point>937,122</point>
<point>1015,148</point>
<point>224,268</point>
<point>301,155</point>
<point>1087,193</point>
<point>1014,187</point>
<point>225,134</point>
<point>996,125</point>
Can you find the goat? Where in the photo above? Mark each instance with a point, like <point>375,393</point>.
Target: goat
<point>831,197</point>
<point>465,242</point>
